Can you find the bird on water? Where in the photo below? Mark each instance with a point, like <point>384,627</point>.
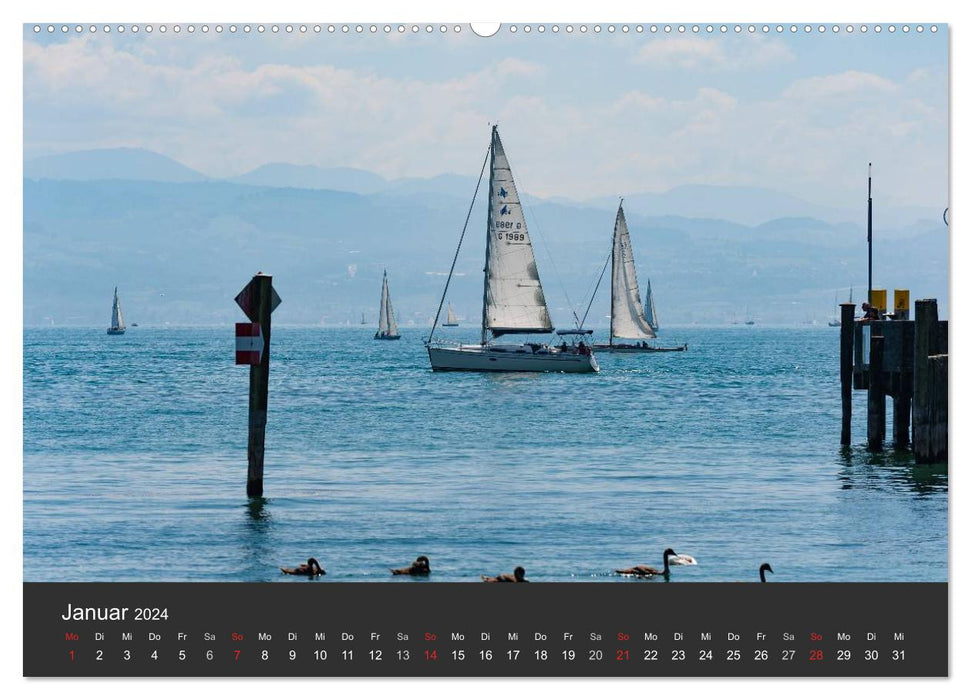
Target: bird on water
<point>762,569</point>
<point>517,576</point>
<point>419,567</point>
<point>682,560</point>
<point>645,571</point>
<point>311,568</point>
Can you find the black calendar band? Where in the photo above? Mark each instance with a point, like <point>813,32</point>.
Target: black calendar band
<point>470,629</point>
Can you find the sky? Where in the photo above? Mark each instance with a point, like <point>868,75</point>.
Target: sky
<point>582,115</point>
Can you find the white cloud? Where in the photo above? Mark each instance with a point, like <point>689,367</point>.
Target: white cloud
<point>222,116</point>
<point>718,53</point>
<point>853,84</point>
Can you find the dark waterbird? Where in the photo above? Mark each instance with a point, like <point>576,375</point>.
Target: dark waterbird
<point>311,568</point>
<point>419,567</point>
<point>517,576</point>
<point>645,571</point>
<point>762,569</point>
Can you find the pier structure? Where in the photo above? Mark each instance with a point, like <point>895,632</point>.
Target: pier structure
<point>906,360</point>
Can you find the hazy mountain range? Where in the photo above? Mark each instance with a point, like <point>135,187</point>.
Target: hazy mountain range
<point>180,245</point>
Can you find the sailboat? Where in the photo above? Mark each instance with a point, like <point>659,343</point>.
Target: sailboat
<point>117,326</point>
<point>650,313</point>
<point>363,320</point>
<point>450,320</point>
<point>387,325</point>
<point>627,318</point>
<point>512,298</point>
<point>835,322</point>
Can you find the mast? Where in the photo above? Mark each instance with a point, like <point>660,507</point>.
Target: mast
<point>613,270</point>
<point>485,268</point>
<point>869,235</point>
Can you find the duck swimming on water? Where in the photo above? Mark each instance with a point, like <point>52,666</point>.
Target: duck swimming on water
<point>762,569</point>
<point>644,571</point>
<point>419,567</point>
<point>517,576</point>
<point>311,568</point>
<point>682,560</point>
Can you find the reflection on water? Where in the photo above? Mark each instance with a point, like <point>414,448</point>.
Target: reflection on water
<point>889,469</point>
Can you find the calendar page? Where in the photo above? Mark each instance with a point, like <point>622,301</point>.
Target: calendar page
<point>331,327</point>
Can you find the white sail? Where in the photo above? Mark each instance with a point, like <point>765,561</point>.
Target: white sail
<point>387,325</point>
<point>650,313</point>
<point>450,317</point>
<point>626,312</point>
<point>117,320</point>
<point>514,300</point>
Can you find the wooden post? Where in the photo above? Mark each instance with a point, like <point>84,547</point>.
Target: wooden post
<point>901,419</point>
<point>259,378</point>
<point>846,368</point>
<point>876,419</point>
<point>936,448</point>
<point>925,335</point>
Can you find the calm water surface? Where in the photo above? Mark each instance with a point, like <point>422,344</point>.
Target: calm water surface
<point>135,462</point>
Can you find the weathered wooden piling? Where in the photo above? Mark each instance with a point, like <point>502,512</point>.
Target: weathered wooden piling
<point>901,419</point>
<point>847,312</point>
<point>930,384</point>
<point>935,450</point>
<point>876,420</point>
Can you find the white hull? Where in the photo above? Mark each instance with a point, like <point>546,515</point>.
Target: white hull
<point>476,358</point>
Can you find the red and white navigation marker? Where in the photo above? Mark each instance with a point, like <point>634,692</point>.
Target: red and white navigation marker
<point>249,344</point>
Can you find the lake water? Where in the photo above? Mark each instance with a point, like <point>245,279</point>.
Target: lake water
<point>135,462</point>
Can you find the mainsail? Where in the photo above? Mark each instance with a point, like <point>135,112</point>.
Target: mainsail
<point>117,320</point>
<point>450,319</point>
<point>386,321</point>
<point>627,318</point>
<point>514,300</point>
<point>649,312</point>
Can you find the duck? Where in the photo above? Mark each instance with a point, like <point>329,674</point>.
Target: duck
<point>683,560</point>
<point>419,567</point>
<point>644,571</point>
<point>762,569</point>
<point>517,576</point>
<point>311,568</point>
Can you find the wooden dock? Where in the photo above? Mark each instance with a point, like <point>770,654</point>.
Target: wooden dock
<point>912,361</point>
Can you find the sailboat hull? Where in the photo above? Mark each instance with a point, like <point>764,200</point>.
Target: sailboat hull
<point>378,336</point>
<point>524,358</point>
<point>116,331</point>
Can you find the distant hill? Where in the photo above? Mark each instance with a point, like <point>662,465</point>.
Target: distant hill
<point>110,164</point>
<point>750,206</point>
<point>179,252</point>
<point>313,178</point>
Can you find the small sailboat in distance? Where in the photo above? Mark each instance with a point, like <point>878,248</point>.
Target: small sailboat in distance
<point>836,322</point>
<point>387,324</point>
<point>627,315</point>
<point>650,313</point>
<point>363,320</point>
<point>117,326</point>
<point>512,297</point>
<point>450,320</point>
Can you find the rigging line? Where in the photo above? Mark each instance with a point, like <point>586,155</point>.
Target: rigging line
<point>459,247</point>
<point>587,294</point>
<point>594,295</point>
